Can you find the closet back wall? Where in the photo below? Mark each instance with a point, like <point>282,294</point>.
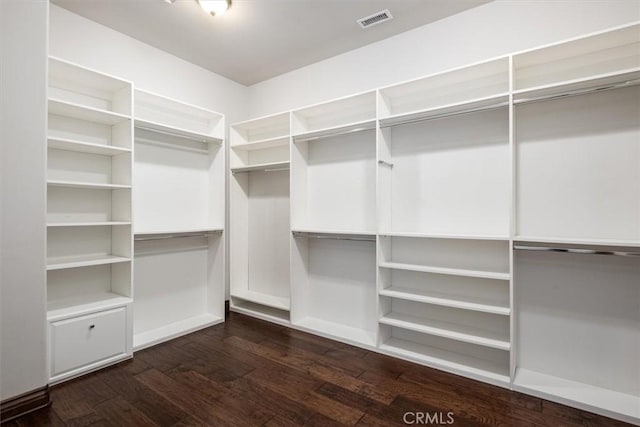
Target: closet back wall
<point>491,30</point>
<point>150,69</point>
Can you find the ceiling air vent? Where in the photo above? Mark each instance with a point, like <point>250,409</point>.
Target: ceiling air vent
<point>375,19</point>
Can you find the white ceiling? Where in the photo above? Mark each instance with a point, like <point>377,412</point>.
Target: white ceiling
<point>259,39</point>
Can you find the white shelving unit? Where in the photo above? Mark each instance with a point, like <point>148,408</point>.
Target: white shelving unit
<point>260,227</point>
<point>535,150</point>
<point>89,239</point>
<point>179,211</point>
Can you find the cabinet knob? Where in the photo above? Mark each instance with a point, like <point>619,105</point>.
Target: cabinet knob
<point>92,326</point>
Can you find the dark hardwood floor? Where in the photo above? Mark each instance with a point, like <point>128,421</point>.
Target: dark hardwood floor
<point>251,373</point>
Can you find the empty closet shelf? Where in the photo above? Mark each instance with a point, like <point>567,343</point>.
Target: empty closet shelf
<point>82,304</point>
<point>585,396</point>
<point>281,303</point>
<point>335,234</point>
<point>630,243</point>
<point>449,330</point>
<point>87,185</point>
<point>172,330</point>
<point>446,270</point>
<point>597,83</point>
<point>85,147</point>
<point>176,131</point>
<point>87,224</point>
<point>465,107</point>
<point>470,366</point>
<point>444,236</point>
<point>447,300</point>
<point>337,331</point>
<point>266,167</point>
<point>261,144</point>
<point>83,261</point>
<point>82,112</point>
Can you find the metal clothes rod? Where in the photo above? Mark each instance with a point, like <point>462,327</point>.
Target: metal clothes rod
<point>385,163</point>
<point>444,115</point>
<point>576,251</point>
<point>212,140</point>
<point>334,237</point>
<point>628,83</point>
<point>260,170</point>
<point>330,134</point>
<point>177,236</point>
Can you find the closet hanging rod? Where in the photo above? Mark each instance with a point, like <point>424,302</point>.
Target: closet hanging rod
<point>177,236</point>
<point>334,236</point>
<point>391,122</point>
<point>578,92</point>
<point>577,251</point>
<point>385,163</point>
<point>335,132</point>
<point>202,139</point>
<point>260,170</point>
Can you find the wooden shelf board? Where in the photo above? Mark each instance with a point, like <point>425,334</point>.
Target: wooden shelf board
<point>445,300</point>
<point>83,261</point>
<point>87,224</point>
<point>261,144</point>
<point>82,112</point>
<point>457,363</point>
<point>335,130</point>
<point>82,304</point>
<point>625,78</point>
<point>156,336</point>
<point>480,104</point>
<point>447,271</point>
<point>336,330</point>
<point>87,185</point>
<point>280,303</point>
<point>576,241</point>
<point>85,147</point>
<point>176,131</point>
<point>445,236</point>
<point>614,404</point>
<point>262,167</point>
<point>448,330</point>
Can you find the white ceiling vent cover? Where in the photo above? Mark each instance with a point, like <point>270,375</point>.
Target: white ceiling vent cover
<point>375,19</point>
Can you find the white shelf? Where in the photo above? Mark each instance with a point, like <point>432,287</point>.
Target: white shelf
<point>82,304</point>
<point>261,144</point>
<point>176,131</point>
<point>338,233</point>
<point>444,236</point>
<point>448,271</point>
<point>337,331</point>
<point>82,112</point>
<point>262,167</point>
<point>624,78</point>
<point>609,403</point>
<point>445,300</point>
<point>448,330</point>
<point>470,106</point>
<point>179,231</point>
<point>447,360</point>
<point>85,147</point>
<point>573,241</point>
<point>87,224</point>
<point>280,303</point>
<point>173,330</point>
<point>259,311</point>
<point>87,185</point>
<point>83,261</point>
<point>328,132</point>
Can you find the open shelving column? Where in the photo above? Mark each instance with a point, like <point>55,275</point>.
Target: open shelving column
<point>179,218</point>
<point>577,110</point>
<point>259,197</point>
<point>444,184</point>
<point>333,219</point>
<point>89,239</point>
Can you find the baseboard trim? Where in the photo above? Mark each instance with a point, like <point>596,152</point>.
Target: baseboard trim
<point>17,406</point>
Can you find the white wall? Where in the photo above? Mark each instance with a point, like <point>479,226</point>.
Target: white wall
<point>23,78</point>
<point>494,29</point>
<point>87,43</point>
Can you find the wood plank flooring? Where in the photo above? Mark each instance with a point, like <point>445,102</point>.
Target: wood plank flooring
<point>247,372</point>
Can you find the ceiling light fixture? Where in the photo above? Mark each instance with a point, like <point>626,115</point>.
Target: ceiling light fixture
<point>215,7</point>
